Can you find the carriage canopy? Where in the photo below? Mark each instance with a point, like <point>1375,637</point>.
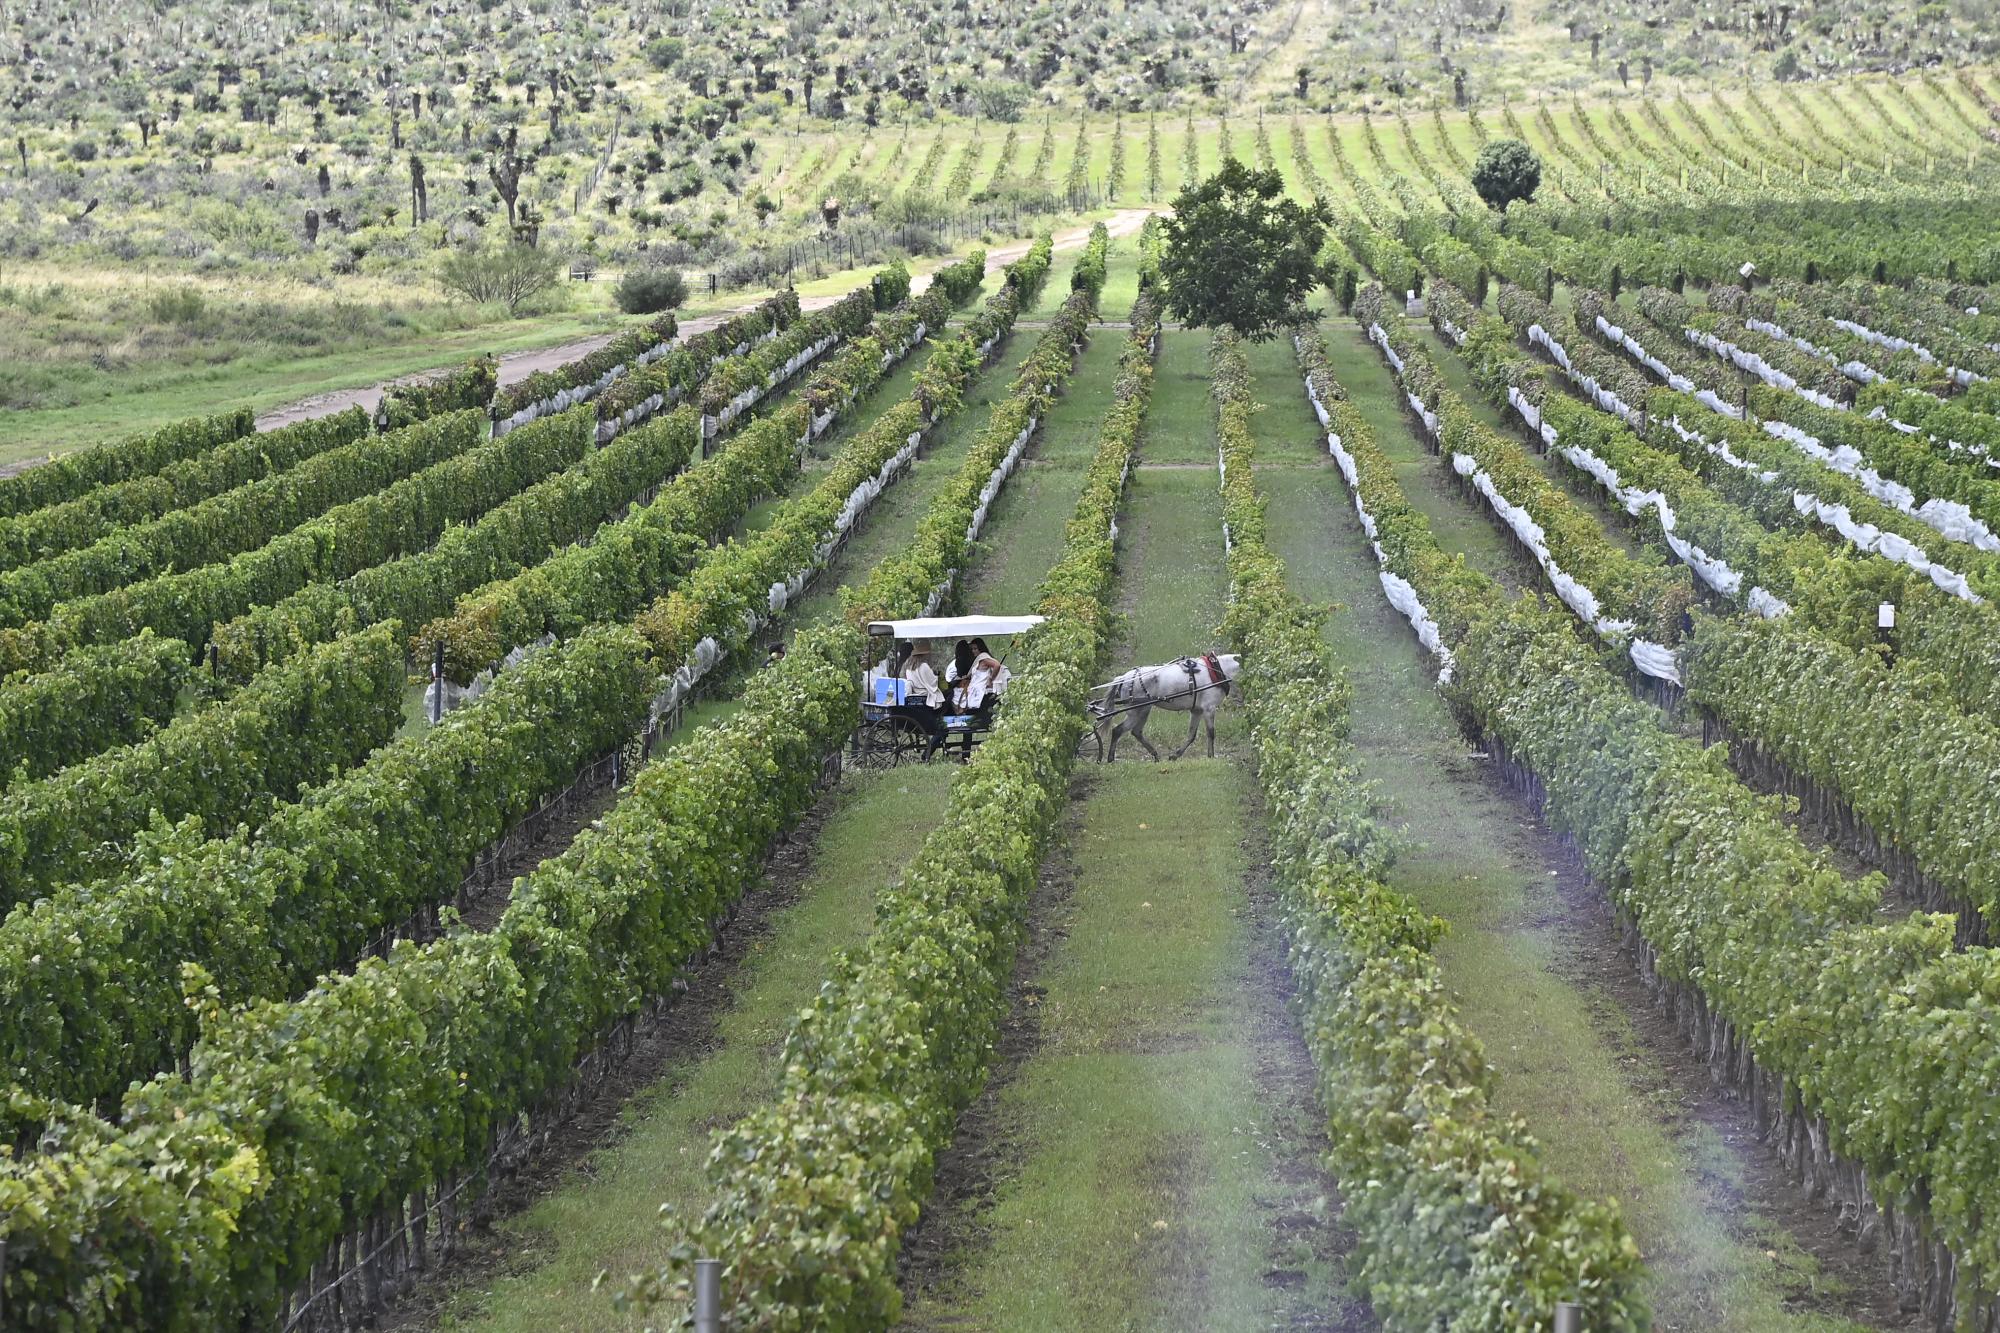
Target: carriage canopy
<point>954,627</point>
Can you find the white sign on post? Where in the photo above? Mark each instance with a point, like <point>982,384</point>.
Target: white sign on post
<point>1885,616</point>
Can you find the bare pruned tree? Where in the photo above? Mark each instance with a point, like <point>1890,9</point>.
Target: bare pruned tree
<point>420,195</point>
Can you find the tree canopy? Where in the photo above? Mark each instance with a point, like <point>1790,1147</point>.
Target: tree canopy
<point>1240,253</point>
<point>1506,170</point>
<point>509,275</point>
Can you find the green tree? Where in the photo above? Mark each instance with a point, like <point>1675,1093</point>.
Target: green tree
<point>1238,252</point>
<point>1506,170</point>
<point>510,275</point>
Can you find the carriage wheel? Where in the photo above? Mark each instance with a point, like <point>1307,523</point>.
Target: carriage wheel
<point>907,742</point>
<point>871,745</point>
<point>1090,745</point>
<point>885,742</point>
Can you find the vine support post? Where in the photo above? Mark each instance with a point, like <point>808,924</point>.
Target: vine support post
<point>1569,1317</point>
<point>708,1296</point>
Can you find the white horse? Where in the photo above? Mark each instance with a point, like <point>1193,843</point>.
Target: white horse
<point>1192,685</point>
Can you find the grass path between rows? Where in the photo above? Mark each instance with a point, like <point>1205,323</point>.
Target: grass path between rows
<point>605,1217</point>
<point>605,1214</point>
<point>1151,1160</point>
<point>1537,978</point>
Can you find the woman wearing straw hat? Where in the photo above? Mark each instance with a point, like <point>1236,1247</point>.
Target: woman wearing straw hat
<point>924,701</point>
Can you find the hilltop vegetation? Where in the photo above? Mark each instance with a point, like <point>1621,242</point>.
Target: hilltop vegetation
<point>192,186</point>
<point>321,140</point>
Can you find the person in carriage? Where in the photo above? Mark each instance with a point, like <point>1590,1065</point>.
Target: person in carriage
<point>976,680</point>
<point>904,697</point>
<point>924,700</point>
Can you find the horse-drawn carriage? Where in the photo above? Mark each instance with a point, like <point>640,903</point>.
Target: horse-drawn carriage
<point>897,728</point>
<point>894,727</point>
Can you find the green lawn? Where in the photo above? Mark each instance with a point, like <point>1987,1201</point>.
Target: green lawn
<point>114,407</point>
<point>1024,528</point>
<point>1157,1183</point>
<point>1055,290</point>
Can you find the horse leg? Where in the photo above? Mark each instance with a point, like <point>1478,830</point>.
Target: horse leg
<point>1208,719</point>
<point>1194,726</point>
<point>1139,732</point>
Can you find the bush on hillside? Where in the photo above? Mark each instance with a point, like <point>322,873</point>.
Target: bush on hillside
<point>648,291</point>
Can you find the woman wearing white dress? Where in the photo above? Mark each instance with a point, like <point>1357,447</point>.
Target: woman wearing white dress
<point>923,697</point>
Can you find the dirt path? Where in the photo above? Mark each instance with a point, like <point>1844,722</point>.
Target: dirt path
<point>517,366</point>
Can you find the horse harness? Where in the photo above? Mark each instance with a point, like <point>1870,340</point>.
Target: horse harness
<point>1216,676</point>
<point>1131,690</point>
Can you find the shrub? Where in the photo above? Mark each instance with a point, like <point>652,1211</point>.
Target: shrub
<point>648,291</point>
<point>507,274</point>
<point>1003,101</point>
<point>176,305</point>
<point>663,53</point>
<point>891,286</point>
